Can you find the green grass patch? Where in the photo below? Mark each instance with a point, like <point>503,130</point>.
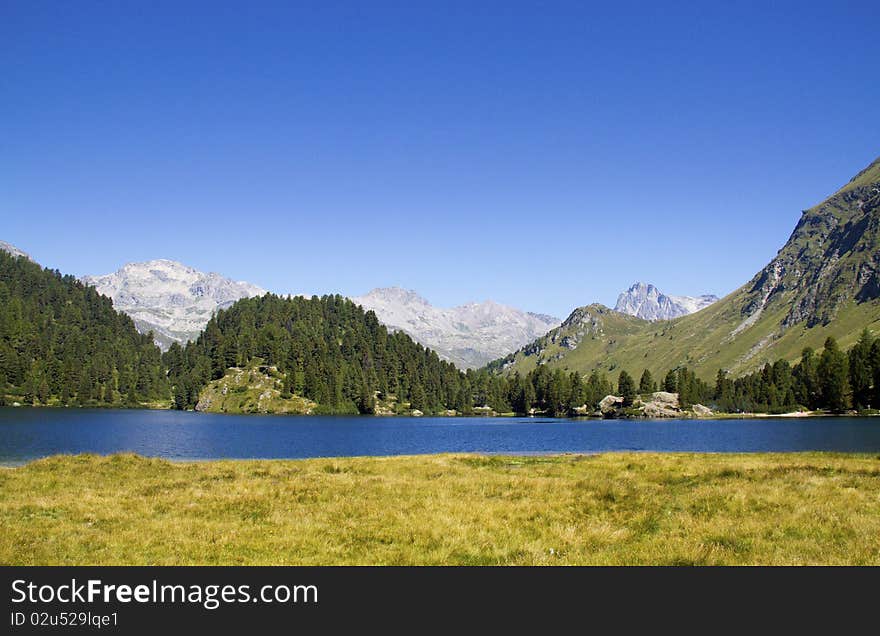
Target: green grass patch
<point>605,509</point>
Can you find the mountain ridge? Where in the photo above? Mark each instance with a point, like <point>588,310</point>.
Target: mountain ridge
<point>825,280</point>
<point>469,335</point>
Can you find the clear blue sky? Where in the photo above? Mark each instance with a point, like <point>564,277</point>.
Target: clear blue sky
<point>542,155</point>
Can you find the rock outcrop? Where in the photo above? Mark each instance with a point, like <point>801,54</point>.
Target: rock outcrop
<point>702,411</point>
<point>661,404</point>
<point>252,390</point>
<point>649,303</point>
<point>610,405</point>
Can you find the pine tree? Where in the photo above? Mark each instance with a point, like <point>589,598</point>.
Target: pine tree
<point>43,393</point>
<point>627,388</point>
<point>464,402</point>
<point>724,391</point>
<point>646,383</point>
<point>670,382</point>
<point>860,372</point>
<point>366,399</point>
<point>576,391</point>
<point>417,400</point>
<point>833,377</point>
<point>875,373</point>
<point>557,394</point>
<point>527,398</point>
<point>286,386</point>
<point>807,380</point>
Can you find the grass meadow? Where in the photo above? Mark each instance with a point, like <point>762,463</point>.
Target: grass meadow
<point>608,509</point>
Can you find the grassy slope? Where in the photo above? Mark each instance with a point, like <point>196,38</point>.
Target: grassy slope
<point>703,342</point>
<point>871,174</point>
<point>708,340</point>
<point>445,509</point>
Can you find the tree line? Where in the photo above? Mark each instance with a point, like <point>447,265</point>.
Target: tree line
<point>61,343</point>
<point>564,393</point>
<point>832,380</point>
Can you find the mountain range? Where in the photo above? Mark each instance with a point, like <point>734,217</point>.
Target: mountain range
<point>643,300</point>
<point>825,281</point>
<point>64,342</point>
<point>175,302</point>
<point>469,335</point>
<point>170,299</point>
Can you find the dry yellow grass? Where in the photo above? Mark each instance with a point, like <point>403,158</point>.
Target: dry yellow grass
<point>445,509</point>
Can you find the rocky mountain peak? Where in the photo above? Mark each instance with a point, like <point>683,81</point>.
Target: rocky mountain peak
<point>173,300</point>
<point>645,301</point>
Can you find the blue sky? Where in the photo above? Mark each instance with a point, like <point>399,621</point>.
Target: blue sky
<point>542,155</point>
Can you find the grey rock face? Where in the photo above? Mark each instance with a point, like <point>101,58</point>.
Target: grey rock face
<point>170,299</point>
<point>468,335</point>
<point>649,303</point>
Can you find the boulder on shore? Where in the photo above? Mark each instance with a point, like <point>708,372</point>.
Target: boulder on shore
<point>701,411</point>
<point>610,404</point>
<point>662,404</point>
<point>664,397</point>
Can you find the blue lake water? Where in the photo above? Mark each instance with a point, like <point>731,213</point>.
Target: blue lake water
<point>27,434</point>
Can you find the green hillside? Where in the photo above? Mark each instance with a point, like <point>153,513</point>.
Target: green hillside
<point>315,355</point>
<point>61,343</point>
<point>824,281</point>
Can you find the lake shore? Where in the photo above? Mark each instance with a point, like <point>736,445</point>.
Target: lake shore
<point>450,509</point>
<point>480,412</point>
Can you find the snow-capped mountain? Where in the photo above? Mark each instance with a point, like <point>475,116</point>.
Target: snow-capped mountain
<point>170,299</point>
<point>10,248</point>
<point>469,335</point>
<point>647,302</point>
